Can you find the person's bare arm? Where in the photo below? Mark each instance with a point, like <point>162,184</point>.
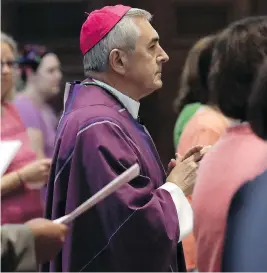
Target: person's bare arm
<point>37,141</point>
<point>35,172</point>
<point>10,182</point>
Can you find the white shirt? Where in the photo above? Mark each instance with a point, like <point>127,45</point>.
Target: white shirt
<point>183,208</point>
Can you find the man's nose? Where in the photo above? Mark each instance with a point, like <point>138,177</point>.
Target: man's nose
<point>163,57</point>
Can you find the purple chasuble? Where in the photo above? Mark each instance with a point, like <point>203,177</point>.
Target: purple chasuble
<point>134,229</point>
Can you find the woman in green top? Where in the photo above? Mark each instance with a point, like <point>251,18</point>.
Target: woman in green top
<point>193,90</point>
<point>193,95</point>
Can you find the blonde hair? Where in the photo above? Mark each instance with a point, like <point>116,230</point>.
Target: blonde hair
<point>13,46</point>
<point>10,41</point>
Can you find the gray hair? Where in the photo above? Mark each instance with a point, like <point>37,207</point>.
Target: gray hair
<point>10,41</point>
<point>122,36</point>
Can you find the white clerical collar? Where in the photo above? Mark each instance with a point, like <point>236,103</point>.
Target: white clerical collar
<point>131,105</point>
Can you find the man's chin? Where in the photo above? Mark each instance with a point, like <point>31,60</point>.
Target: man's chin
<point>158,84</point>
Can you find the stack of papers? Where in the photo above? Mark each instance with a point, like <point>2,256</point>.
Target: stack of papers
<point>8,150</point>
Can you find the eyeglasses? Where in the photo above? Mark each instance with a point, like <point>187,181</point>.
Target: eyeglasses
<point>10,64</point>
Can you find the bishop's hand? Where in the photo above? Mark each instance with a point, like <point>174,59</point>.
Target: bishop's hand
<point>182,171</point>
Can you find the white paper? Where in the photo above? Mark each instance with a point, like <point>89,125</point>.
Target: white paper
<point>8,150</point>
<point>122,179</point>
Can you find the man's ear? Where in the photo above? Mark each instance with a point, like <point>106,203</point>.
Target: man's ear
<point>118,61</point>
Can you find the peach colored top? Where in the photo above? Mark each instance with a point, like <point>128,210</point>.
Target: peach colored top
<point>204,128</point>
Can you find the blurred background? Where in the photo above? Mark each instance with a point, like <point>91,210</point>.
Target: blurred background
<point>56,23</point>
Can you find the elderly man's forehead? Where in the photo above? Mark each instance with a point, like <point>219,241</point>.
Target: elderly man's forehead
<point>146,30</point>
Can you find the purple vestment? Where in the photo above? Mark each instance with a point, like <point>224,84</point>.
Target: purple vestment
<point>134,229</point>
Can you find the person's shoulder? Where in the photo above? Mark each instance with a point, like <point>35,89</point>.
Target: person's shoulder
<point>184,117</point>
<point>209,120</point>
<point>90,103</point>
<point>187,112</point>
<point>97,116</point>
<point>10,114</point>
<point>242,132</point>
<point>94,112</point>
<point>93,107</point>
<point>24,104</point>
<point>191,107</point>
<point>22,99</point>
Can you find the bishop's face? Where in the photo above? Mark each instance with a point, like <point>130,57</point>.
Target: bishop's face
<point>145,62</point>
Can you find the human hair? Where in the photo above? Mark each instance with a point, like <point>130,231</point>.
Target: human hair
<point>5,38</point>
<point>122,36</point>
<point>238,52</point>
<point>193,85</point>
<point>11,42</point>
<point>257,103</point>
<point>31,57</point>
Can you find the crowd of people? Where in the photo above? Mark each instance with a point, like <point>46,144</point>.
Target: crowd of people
<point>200,214</point>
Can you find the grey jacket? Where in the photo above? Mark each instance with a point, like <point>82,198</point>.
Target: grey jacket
<point>17,249</point>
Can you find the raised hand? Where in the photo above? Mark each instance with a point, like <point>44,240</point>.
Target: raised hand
<point>183,174</point>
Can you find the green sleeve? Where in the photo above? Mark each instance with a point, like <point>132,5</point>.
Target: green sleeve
<point>185,115</point>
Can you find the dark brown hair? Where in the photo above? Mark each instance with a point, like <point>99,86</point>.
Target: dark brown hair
<point>238,52</point>
<point>193,86</point>
<point>257,105</point>
<point>31,57</point>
